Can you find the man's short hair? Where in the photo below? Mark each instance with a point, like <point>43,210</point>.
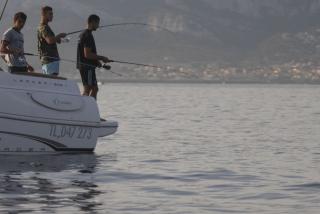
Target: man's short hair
<point>20,15</point>
<point>45,9</point>
<point>93,18</point>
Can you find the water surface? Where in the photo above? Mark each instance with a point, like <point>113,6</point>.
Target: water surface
<point>183,148</point>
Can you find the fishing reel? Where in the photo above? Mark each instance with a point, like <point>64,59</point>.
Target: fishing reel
<point>107,67</point>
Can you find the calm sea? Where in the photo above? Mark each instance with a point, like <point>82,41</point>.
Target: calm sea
<point>183,148</point>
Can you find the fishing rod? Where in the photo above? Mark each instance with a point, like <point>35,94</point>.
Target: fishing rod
<point>126,23</point>
<point>138,64</point>
<point>4,8</point>
<point>104,66</point>
<point>110,60</point>
<point>2,12</point>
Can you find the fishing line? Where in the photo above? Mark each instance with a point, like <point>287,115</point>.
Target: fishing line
<point>4,8</point>
<point>2,12</point>
<point>124,24</point>
<point>111,60</point>
<point>104,66</point>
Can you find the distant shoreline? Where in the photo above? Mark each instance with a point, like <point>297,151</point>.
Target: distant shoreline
<point>206,82</point>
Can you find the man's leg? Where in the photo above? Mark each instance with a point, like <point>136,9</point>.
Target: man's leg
<point>93,83</point>
<point>84,77</point>
<point>94,92</point>
<point>89,81</point>
<point>86,90</point>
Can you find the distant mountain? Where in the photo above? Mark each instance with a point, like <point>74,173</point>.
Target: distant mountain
<point>205,30</point>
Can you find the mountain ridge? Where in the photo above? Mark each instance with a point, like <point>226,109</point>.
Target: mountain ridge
<point>205,30</point>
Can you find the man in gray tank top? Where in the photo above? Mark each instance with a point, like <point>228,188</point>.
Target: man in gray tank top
<point>12,45</point>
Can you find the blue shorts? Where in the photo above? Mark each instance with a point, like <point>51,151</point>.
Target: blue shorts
<point>51,68</point>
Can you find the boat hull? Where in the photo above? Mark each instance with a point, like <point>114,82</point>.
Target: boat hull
<point>40,114</point>
<point>30,136</point>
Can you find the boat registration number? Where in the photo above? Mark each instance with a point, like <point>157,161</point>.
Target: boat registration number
<point>77,132</point>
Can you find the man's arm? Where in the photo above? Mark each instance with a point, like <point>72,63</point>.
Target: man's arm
<point>88,54</point>
<point>30,68</point>
<point>4,58</point>
<point>50,38</point>
<point>55,39</point>
<point>4,48</point>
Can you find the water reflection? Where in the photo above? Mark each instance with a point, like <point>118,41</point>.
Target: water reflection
<point>46,163</point>
<point>49,182</point>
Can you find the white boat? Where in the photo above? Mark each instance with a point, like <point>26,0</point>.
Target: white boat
<point>40,114</point>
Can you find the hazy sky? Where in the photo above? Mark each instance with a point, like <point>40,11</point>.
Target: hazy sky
<point>205,29</point>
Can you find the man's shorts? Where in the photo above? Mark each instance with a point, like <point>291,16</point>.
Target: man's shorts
<point>16,69</point>
<point>51,68</point>
<point>88,76</point>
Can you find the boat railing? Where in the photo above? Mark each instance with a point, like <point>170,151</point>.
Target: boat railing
<point>39,75</point>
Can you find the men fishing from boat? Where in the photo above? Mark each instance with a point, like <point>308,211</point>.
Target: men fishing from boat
<point>12,45</point>
<point>47,43</point>
<point>88,59</point>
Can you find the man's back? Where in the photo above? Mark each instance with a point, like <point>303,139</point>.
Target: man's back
<point>86,40</point>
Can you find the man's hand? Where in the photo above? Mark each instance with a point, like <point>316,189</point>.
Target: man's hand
<point>106,60</point>
<point>16,51</point>
<point>99,65</point>
<point>30,68</point>
<point>61,35</point>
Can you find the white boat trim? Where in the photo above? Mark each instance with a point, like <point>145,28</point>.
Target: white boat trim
<point>56,146</point>
<point>57,121</point>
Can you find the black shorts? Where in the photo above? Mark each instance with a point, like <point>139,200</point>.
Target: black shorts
<point>16,69</point>
<point>88,76</point>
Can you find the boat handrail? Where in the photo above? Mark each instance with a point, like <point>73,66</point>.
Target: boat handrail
<point>39,75</point>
